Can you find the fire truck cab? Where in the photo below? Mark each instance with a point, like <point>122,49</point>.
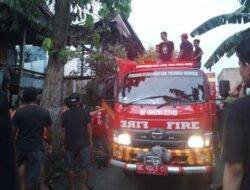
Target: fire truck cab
<point>161,118</point>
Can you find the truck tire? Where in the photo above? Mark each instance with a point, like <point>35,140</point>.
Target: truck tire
<point>128,173</point>
<point>207,179</point>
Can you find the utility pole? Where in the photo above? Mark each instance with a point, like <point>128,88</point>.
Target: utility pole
<point>22,54</point>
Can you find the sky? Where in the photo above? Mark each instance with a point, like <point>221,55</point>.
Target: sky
<point>149,18</point>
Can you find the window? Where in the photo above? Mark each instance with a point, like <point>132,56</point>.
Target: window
<point>159,87</point>
<point>35,58</point>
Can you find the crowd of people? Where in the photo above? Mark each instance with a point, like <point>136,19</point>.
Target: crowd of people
<point>235,125</point>
<point>30,120</point>
<point>188,52</point>
<point>31,129</point>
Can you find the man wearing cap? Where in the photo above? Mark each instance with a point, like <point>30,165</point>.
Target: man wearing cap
<point>76,123</point>
<point>186,49</point>
<point>236,131</point>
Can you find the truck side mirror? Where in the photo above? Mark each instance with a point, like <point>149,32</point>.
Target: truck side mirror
<point>224,88</point>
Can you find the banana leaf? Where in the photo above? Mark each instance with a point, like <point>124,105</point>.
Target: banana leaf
<point>242,15</point>
<point>231,52</point>
<point>228,46</point>
<point>245,2</point>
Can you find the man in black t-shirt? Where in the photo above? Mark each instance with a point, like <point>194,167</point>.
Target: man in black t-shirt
<point>197,53</point>
<point>76,123</point>
<point>165,48</point>
<point>236,131</point>
<point>29,122</point>
<point>186,49</point>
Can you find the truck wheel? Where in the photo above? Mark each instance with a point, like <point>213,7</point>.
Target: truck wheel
<point>207,179</point>
<point>128,173</point>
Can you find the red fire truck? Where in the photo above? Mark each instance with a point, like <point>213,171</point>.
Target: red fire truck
<point>161,118</point>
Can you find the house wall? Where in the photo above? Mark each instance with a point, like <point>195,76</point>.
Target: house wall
<point>74,85</point>
<point>231,74</point>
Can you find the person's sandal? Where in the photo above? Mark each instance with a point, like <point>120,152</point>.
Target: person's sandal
<point>89,187</point>
<point>215,187</point>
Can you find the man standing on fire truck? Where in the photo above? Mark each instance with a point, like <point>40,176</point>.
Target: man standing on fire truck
<point>236,132</point>
<point>165,48</point>
<point>186,49</point>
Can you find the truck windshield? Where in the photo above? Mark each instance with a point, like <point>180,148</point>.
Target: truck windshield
<point>160,87</point>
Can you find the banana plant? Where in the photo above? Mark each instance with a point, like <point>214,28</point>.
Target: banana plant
<point>240,16</point>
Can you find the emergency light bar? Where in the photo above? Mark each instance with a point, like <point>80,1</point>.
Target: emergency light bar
<point>184,64</point>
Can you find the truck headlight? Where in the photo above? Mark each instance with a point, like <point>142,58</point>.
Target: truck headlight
<point>123,139</point>
<point>196,141</point>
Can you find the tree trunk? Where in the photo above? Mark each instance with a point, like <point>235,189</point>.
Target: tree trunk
<point>52,99</point>
<point>52,96</point>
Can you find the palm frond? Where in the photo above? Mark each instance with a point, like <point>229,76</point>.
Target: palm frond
<point>240,16</point>
<point>227,47</point>
<point>231,52</point>
<point>242,9</point>
<point>245,2</point>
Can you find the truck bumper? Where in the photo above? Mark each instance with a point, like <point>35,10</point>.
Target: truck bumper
<point>179,157</point>
<point>170,169</point>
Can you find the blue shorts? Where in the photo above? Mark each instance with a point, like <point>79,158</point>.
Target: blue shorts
<point>81,158</point>
<point>33,162</point>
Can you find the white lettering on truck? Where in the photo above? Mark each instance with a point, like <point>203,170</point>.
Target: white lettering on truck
<point>134,124</point>
<point>185,125</point>
<point>158,112</point>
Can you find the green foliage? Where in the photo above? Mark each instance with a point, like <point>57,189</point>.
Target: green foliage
<point>113,7</point>
<point>89,22</point>
<point>231,52</point>
<point>104,11</point>
<point>104,65</point>
<point>96,39</point>
<point>123,7</point>
<point>69,54</point>
<point>30,9</point>
<point>118,50</point>
<point>245,2</point>
<point>228,47</point>
<point>19,12</point>
<point>235,18</point>
<point>65,53</point>
<point>83,11</point>
<point>47,44</point>
<point>240,16</point>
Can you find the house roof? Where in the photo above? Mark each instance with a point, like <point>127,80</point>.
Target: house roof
<point>37,29</point>
<point>13,21</point>
<point>133,45</point>
<point>118,30</point>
